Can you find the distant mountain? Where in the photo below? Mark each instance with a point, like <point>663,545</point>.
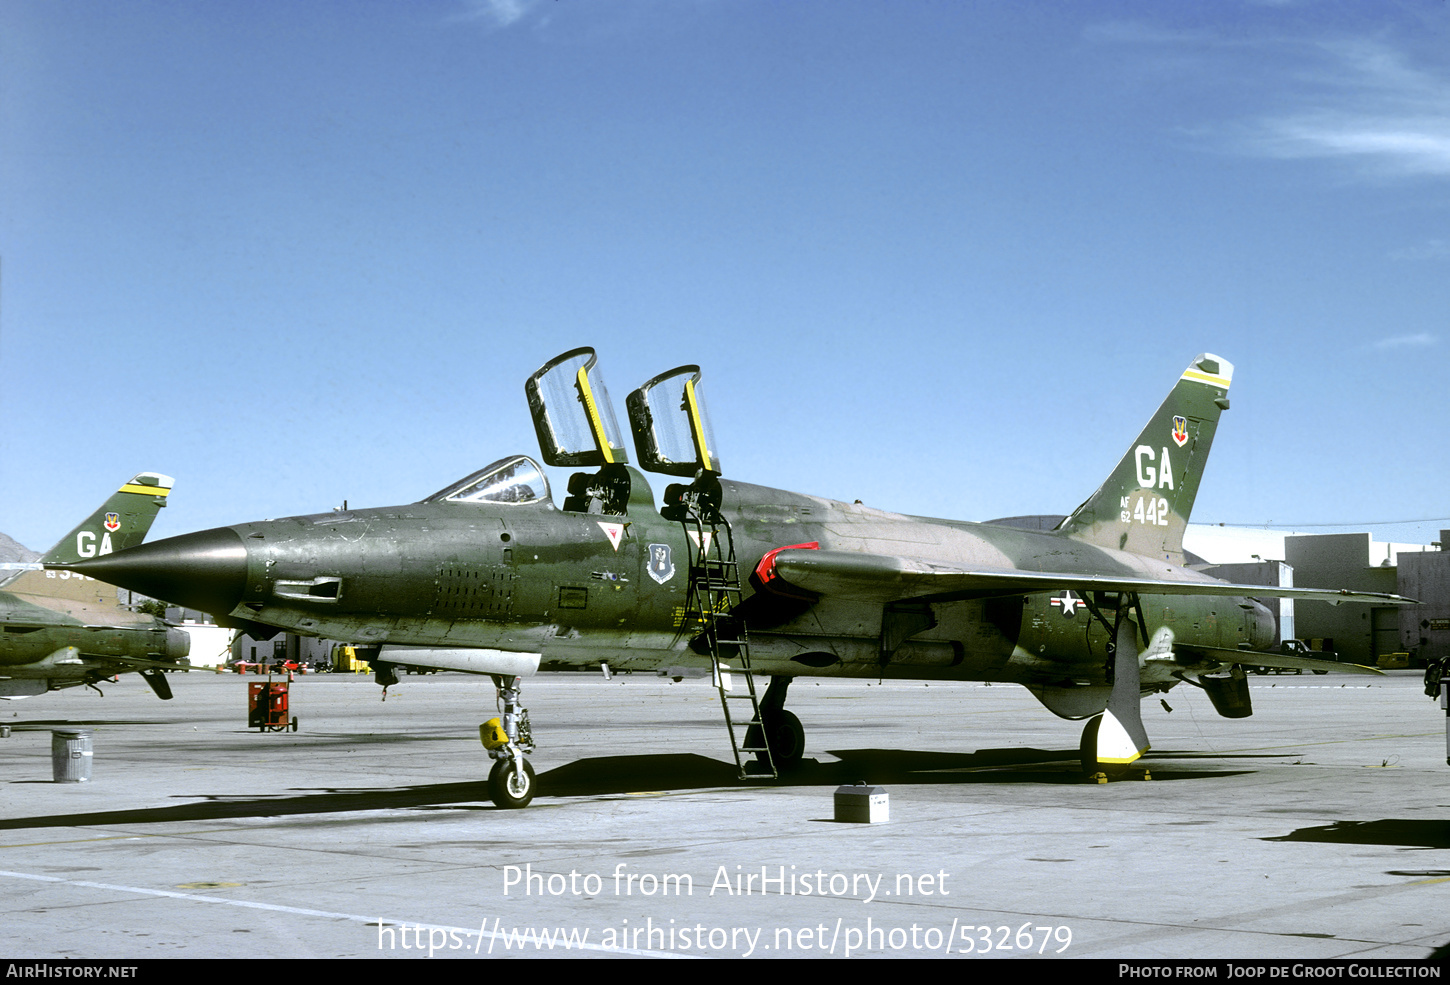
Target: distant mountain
<point>11,550</point>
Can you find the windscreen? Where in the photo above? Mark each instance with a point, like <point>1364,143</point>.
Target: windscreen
<point>509,480</point>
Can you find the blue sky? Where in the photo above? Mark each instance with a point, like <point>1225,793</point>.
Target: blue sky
<point>945,258</point>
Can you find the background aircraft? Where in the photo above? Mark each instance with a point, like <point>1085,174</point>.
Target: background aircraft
<point>59,629</point>
<point>487,575</point>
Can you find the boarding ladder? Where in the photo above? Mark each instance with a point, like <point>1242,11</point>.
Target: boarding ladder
<point>714,592</point>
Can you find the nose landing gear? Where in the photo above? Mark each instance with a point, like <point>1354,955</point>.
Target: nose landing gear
<point>511,782</point>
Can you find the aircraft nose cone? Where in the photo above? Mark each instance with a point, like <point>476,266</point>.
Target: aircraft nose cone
<point>206,570</point>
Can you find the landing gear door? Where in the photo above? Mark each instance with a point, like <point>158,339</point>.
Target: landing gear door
<point>671,430</point>
<point>572,413</point>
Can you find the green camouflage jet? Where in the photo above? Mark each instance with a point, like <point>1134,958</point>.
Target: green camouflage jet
<point>742,581</point>
<point>59,629</point>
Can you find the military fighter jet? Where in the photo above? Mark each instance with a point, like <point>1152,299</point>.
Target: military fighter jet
<point>743,581</point>
<point>59,629</point>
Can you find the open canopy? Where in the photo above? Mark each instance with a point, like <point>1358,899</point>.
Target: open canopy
<point>572,413</point>
<point>671,430</point>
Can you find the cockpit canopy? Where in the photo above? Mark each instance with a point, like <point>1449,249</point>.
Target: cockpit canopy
<point>671,429</point>
<point>516,479</point>
<point>572,413</point>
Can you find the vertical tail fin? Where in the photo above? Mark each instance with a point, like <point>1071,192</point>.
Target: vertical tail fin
<point>1143,506</point>
<point>122,521</point>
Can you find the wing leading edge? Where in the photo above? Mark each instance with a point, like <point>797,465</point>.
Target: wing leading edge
<point>890,578</point>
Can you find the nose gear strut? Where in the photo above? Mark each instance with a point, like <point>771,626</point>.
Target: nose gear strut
<point>511,782</point>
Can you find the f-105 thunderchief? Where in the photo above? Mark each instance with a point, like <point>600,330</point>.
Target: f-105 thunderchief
<point>488,575</point>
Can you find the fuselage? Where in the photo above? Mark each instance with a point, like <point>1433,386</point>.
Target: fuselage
<point>582,589</point>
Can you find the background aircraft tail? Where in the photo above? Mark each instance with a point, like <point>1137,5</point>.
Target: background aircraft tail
<point>122,521</point>
<point>1143,506</point>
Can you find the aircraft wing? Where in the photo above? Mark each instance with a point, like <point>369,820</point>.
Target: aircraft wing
<point>141,663</point>
<point>11,570</point>
<point>890,578</point>
<point>21,625</point>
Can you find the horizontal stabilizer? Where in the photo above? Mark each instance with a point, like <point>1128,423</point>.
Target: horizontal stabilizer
<point>156,680</point>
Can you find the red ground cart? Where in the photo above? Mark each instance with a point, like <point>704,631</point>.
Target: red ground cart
<point>267,706</point>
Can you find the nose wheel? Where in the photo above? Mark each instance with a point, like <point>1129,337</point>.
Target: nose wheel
<point>509,786</point>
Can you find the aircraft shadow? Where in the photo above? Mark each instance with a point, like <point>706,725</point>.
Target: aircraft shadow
<point>330,801</point>
<point>633,774</point>
<point>45,725</point>
<point>625,775</point>
<point>1389,831</point>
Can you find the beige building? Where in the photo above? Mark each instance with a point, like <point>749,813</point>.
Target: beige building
<point>1357,633</point>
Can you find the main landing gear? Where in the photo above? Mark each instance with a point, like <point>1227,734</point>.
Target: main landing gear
<point>511,782</point>
<point>783,730</point>
<point>787,738</point>
<point>1115,738</point>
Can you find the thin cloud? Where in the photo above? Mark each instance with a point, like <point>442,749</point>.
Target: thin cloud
<point>499,13</point>
<point>1434,249</point>
<point>1406,341</point>
<point>1365,103</point>
<point>1409,145</point>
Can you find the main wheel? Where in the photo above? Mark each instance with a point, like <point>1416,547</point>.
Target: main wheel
<point>787,740</point>
<point>509,788</point>
<point>1087,748</point>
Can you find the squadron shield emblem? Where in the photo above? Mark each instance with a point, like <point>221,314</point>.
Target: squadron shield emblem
<point>113,522</point>
<point>661,564</point>
<point>1180,431</point>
